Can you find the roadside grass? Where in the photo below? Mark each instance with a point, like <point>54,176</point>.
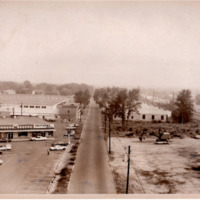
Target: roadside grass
<point>135,128</point>
<point>65,174</point>
<point>63,181</point>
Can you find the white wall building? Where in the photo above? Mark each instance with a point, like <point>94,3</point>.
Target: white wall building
<point>33,105</point>
<point>149,113</point>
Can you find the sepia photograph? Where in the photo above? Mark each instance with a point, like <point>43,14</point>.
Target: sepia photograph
<point>99,99</point>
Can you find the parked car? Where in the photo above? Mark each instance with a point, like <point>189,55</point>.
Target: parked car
<point>161,141</point>
<point>5,147</point>
<point>196,136</point>
<point>1,161</point>
<point>57,148</point>
<point>60,143</point>
<point>178,135</point>
<point>73,125</point>
<point>38,138</point>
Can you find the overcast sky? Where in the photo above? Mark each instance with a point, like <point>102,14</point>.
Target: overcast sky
<point>101,43</point>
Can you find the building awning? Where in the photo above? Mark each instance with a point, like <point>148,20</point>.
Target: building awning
<point>26,130</point>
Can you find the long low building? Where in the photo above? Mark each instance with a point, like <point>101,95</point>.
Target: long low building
<point>43,106</point>
<point>25,127</point>
<point>149,113</point>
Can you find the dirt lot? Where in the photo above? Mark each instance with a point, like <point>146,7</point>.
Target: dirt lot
<point>157,169</point>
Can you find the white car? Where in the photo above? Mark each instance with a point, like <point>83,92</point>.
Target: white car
<point>57,148</point>
<point>73,125</point>
<point>60,143</point>
<point>1,161</point>
<point>38,138</point>
<point>5,147</point>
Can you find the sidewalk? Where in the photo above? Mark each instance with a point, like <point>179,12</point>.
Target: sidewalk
<point>28,139</point>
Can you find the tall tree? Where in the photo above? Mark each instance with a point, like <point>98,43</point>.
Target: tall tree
<point>105,98</point>
<point>120,105</point>
<point>126,103</point>
<point>183,107</point>
<point>82,97</point>
<point>133,102</point>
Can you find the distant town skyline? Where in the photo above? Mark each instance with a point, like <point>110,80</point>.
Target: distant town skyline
<point>143,44</point>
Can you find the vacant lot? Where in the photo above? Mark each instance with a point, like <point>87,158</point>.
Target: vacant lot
<point>157,169</point>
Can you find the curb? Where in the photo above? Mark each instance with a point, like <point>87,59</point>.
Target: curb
<point>55,173</point>
<point>84,126</point>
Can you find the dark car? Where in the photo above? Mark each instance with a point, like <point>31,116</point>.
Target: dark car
<point>60,144</point>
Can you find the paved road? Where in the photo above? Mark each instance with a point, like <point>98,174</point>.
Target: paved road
<point>92,174</point>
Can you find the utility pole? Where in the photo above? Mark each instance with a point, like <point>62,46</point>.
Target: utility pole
<point>127,182</point>
<point>69,132</point>
<point>13,111</point>
<point>109,137</point>
<point>47,148</point>
<point>21,108</point>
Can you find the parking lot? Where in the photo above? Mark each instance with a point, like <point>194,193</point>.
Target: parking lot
<point>28,168</point>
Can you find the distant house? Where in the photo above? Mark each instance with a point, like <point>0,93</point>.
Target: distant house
<point>43,106</point>
<point>149,113</point>
<point>9,92</point>
<point>70,112</point>
<point>25,127</point>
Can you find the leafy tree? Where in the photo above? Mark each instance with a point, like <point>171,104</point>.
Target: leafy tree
<point>105,98</point>
<point>133,102</point>
<point>82,97</point>
<point>65,91</point>
<point>51,90</point>
<point>120,105</point>
<point>183,107</point>
<point>126,103</point>
<point>118,102</point>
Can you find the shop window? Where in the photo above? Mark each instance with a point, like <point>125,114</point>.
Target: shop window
<point>50,133</point>
<point>22,134</point>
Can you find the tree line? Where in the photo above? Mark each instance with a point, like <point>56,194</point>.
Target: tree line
<point>119,102</point>
<point>44,88</point>
<point>122,102</point>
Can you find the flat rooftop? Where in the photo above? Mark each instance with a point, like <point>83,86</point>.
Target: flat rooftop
<point>23,121</point>
<point>30,99</point>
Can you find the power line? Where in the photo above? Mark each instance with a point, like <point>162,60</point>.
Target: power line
<point>126,153</point>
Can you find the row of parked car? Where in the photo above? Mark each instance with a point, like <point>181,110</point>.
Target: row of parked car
<point>70,127</point>
<point>62,145</point>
